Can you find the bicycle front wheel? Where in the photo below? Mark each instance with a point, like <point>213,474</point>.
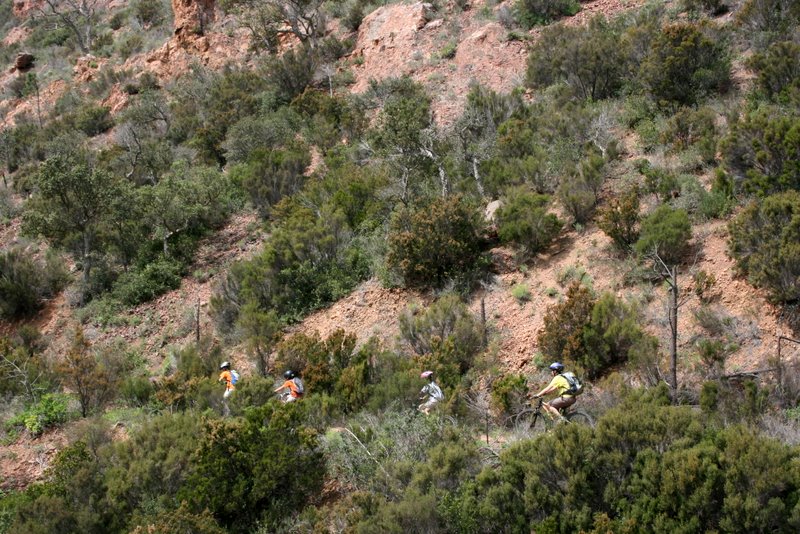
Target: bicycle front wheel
<point>580,418</point>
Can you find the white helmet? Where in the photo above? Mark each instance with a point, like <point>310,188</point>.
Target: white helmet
<point>426,374</point>
<point>223,365</point>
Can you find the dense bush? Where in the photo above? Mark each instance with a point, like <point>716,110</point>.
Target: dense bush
<point>684,65</point>
<point>93,120</point>
<point>778,70</point>
<point>50,411</point>
<point>448,333</point>
<point>276,468</point>
<point>523,220</point>
<point>765,241</point>
<point>761,149</point>
<point>25,282</point>
<point>437,243</point>
<point>620,219</point>
<point>142,285</point>
<point>666,232</point>
<point>592,60</point>
<point>767,21</point>
<point>532,13</point>
<point>561,337</point>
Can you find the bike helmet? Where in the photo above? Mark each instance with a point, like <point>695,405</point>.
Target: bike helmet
<point>556,366</point>
<point>224,365</point>
<point>426,374</point>
<point>288,375</point>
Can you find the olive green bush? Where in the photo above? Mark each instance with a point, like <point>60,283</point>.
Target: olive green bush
<point>532,13</point>
<point>778,70</point>
<point>592,60</point>
<point>765,243</point>
<point>665,232</point>
<point>619,219</point>
<point>25,281</point>
<point>433,244</point>
<point>523,220</point>
<point>684,65</point>
<point>761,150</point>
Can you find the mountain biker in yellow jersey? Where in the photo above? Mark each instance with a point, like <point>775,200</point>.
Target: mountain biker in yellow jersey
<point>558,385</point>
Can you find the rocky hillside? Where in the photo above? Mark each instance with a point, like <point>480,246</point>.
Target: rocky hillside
<point>447,49</point>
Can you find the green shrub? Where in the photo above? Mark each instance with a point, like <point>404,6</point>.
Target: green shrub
<point>692,128</point>
<point>684,65</point>
<point>272,446</point>
<point>447,331</point>
<point>666,232</point>
<point>761,148</point>
<point>93,119</point>
<point>431,245</point>
<point>620,219</point>
<point>291,72</point>
<point>521,292</point>
<point>578,198</point>
<point>25,282</point>
<point>142,285</point>
<point>765,242</point>
<point>532,13</point>
<point>148,12</point>
<point>509,393</point>
<point>767,21</point>
<point>778,70</point>
<point>591,60</point>
<point>50,411</point>
<point>523,220</point>
<point>561,337</point>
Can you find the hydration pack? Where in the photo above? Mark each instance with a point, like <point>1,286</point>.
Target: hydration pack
<point>234,377</point>
<point>575,385</point>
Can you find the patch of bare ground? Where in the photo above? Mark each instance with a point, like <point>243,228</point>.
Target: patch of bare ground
<point>26,460</point>
<point>401,39</point>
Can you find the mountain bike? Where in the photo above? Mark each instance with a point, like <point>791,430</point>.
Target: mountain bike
<point>535,419</point>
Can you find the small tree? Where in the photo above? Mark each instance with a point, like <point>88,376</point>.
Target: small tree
<point>262,330</point>
<point>430,245</point>
<point>620,219</point>
<point>666,231</point>
<point>92,382</point>
<point>562,337</point>
<point>70,205</point>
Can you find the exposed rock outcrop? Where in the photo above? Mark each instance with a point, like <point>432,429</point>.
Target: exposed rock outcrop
<point>192,17</point>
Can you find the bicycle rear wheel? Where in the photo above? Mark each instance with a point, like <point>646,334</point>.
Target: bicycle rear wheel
<point>580,418</point>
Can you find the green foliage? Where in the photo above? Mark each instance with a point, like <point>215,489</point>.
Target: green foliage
<point>778,70</point>
<point>561,337</point>
<point>148,12</point>
<point>94,379</point>
<point>762,147</point>
<point>319,362</point>
<point>532,13</point>
<point>692,128</point>
<point>613,336</point>
<point>684,65</point>
<point>578,197</point>
<point>270,175</point>
<point>436,243</point>
<point>25,282</point>
<point>591,60</point>
<point>292,72</point>
<point>448,331</point>
<point>620,218</point>
<point>766,21</point>
<point>666,232</point>
<point>508,393</point>
<point>154,279</point>
<point>521,292</point>
<point>261,468</point>
<point>765,242</point>
<point>523,220</point>
<point>50,411</point>
<point>93,119</point>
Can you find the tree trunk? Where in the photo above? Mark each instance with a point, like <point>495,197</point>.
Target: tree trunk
<point>673,325</point>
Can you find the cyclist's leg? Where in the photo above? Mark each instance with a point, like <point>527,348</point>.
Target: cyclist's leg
<point>558,405</point>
